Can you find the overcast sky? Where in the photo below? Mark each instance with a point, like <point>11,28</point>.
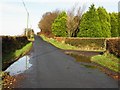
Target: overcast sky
<point>13,15</point>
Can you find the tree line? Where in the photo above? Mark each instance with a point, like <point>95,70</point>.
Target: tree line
<point>96,22</point>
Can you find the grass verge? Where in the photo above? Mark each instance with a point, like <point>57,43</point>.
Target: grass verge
<point>107,60</point>
<point>59,44</point>
<point>23,51</point>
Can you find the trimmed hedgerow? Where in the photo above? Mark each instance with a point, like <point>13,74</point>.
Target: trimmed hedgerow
<point>113,46</point>
<point>10,43</point>
<point>87,43</point>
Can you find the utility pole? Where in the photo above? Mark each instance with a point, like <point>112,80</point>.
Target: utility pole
<point>27,19</point>
<point>27,15</point>
<point>27,25</point>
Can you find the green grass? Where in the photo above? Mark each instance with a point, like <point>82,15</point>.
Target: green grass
<point>59,44</point>
<point>23,51</point>
<point>107,60</point>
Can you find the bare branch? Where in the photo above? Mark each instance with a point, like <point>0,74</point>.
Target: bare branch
<point>73,19</point>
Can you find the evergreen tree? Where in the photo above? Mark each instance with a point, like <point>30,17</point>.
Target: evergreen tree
<point>90,24</point>
<point>59,25</point>
<point>114,24</point>
<point>105,22</point>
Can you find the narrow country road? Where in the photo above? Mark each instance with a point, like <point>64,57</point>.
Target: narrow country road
<point>51,68</point>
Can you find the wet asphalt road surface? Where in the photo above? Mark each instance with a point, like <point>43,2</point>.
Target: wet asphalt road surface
<point>51,68</point>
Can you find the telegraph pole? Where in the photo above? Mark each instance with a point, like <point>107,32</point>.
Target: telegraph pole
<point>27,14</point>
<point>27,24</point>
<point>27,18</point>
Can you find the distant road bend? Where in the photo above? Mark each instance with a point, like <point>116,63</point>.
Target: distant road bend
<point>51,68</point>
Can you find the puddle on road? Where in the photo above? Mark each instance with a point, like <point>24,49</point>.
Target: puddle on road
<point>19,66</point>
<point>85,61</point>
<point>81,58</point>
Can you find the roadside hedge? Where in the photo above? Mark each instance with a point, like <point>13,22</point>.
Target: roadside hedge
<point>87,43</point>
<point>12,43</point>
<point>113,46</point>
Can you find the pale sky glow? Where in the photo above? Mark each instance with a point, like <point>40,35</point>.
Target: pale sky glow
<point>13,15</point>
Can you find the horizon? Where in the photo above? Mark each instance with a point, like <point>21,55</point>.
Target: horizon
<point>13,15</point>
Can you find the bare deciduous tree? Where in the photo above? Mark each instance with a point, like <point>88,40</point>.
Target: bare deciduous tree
<point>73,20</point>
